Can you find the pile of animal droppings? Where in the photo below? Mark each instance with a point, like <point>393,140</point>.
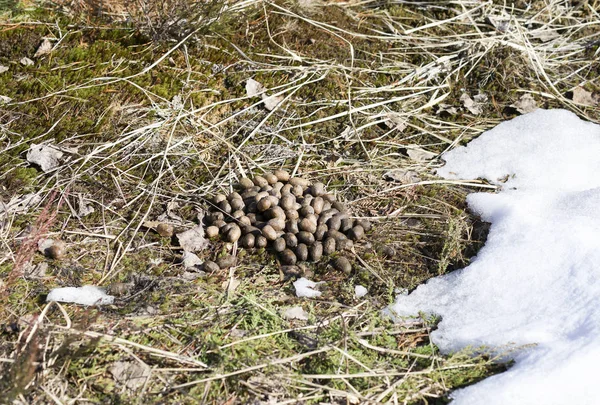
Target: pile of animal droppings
<point>298,219</point>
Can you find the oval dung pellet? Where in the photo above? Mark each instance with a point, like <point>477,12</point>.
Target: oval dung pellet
<point>219,224</point>
<point>341,207</point>
<point>269,233</point>
<point>329,246</point>
<point>317,205</point>
<point>260,181</point>
<point>287,188</point>
<point>366,225</point>
<point>271,178</point>
<point>287,201</point>
<point>260,242</point>
<point>279,245</point>
<point>238,214</point>
<point>335,222</point>
<point>210,267</point>
<point>305,237</point>
<point>276,223</point>
<point>276,212</point>
<point>317,189</point>
<point>330,198</point>
<point>165,230</point>
<point>306,210</point>
<point>57,250</point>
<point>356,233</point>
<point>245,183</point>
<point>307,225</point>
<point>292,215</point>
<point>315,252</point>
<point>342,264</point>
<point>264,204</point>
<point>337,235</point>
<point>292,226</point>
<point>282,175</point>
<point>290,240</point>
<point>244,221</point>
<point>212,231</point>
<point>215,216</point>
<point>288,257</point>
<point>218,198</point>
<point>234,196</point>
<point>297,190</point>
<point>346,224</point>
<point>248,241</point>
<point>237,204</point>
<point>234,234</point>
<point>226,261</point>
<point>344,244</point>
<point>225,206</point>
<point>294,181</point>
<point>302,252</point>
<point>320,231</point>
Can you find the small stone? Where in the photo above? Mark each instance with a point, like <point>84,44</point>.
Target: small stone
<point>165,230</point>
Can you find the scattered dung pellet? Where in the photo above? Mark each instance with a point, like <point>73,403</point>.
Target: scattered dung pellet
<point>288,257</point>
<point>356,233</point>
<point>287,188</point>
<point>165,230</point>
<point>218,198</point>
<point>234,234</point>
<point>215,216</point>
<point>237,204</point>
<point>297,190</point>
<point>245,182</point>
<point>244,221</point>
<point>226,261</point>
<point>57,250</point>
<point>315,252</point>
<point>276,223</point>
<point>306,237</point>
<point>337,235</point>
<point>212,231</point>
<point>307,225</point>
<point>321,231</point>
<point>210,267</point>
<point>234,196</point>
<point>291,240</point>
<point>282,175</point>
<point>248,240</point>
<point>264,204</point>
<point>260,181</point>
<point>238,214</point>
<point>220,223</point>
<point>366,225</point>
<point>346,224</point>
<point>342,264</point>
<point>306,200</point>
<point>271,178</point>
<point>278,186</point>
<point>225,206</point>
<point>276,212</point>
<point>330,198</point>
<point>119,289</point>
<point>279,245</point>
<point>302,252</point>
<point>261,242</point>
<point>388,251</point>
<point>299,181</point>
<point>292,271</point>
<point>329,246</point>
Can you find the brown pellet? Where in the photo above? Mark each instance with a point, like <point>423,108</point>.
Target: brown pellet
<point>261,242</point>
<point>260,181</point>
<point>248,241</point>
<point>282,175</point>
<point>317,205</point>
<point>292,226</point>
<point>290,240</point>
<point>269,233</point>
<point>237,204</point>
<point>165,230</point>
<point>264,204</point>
<point>366,225</point>
<point>307,225</point>
<point>218,198</point>
<point>288,257</point>
<point>356,233</point>
<point>315,252</point>
<point>317,189</point>
<point>277,223</point>
<point>320,231</point>
<point>279,245</point>
<point>342,264</point>
<point>212,232</point>
<point>287,201</point>
<point>271,178</point>
<point>306,237</point>
<point>225,207</point>
<point>210,267</point>
<point>234,233</point>
<point>302,252</point>
<point>57,250</point>
<point>329,246</point>
<point>299,181</point>
<point>245,183</point>
<point>226,261</point>
<point>292,215</point>
<point>346,224</point>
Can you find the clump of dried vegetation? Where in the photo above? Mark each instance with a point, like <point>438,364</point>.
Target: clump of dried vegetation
<point>147,101</point>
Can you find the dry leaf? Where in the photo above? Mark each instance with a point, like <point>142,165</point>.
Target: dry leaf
<point>545,36</point>
<point>271,101</point>
<point>45,156</point>
<point>253,88</point>
<point>20,203</point>
<point>525,104</point>
<point>501,23</point>
<point>5,99</point>
<point>193,239</point>
<point>474,107</point>
<point>402,176</point>
<point>132,374</point>
<point>395,121</point>
<point>44,48</point>
<point>446,108</point>
<point>190,260</point>
<point>3,69</point>
<point>84,209</point>
<point>26,62</point>
<point>584,97</point>
<point>420,155</point>
<point>295,313</point>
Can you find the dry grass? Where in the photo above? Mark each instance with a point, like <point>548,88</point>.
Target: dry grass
<point>154,117</point>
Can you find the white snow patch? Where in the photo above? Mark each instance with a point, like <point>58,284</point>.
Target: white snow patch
<point>305,288</point>
<point>86,295</point>
<point>296,313</point>
<point>537,279</point>
<point>360,291</point>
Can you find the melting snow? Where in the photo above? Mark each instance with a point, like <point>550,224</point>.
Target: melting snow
<point>86,295</point>
<point>537,280</point>
<point>305,288</point>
